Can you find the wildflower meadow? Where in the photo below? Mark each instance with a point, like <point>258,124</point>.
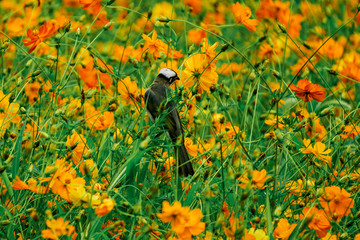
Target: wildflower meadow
<point>267,94</point>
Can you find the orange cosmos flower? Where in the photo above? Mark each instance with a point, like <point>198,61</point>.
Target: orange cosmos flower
<point>105,207</point>
<point>318,150</point>
<point>242,15</point>
<point>92,76</point>
<point>349,66</point>
<point>32,91</point>
<point>175,214</point>
<point>258,179</point>
<point>57,228</point>
<point>99,121</point>
<point>129,91</point>
<point>317,220</point>
<point>193,225</point>
<point>198,72</point>
<point>153,45</point>
<point>91,4</point>
<point>350,132</point>
<point>196,35</point>
<point>195,6</point>
<point>283,229</point>
<point>47,30</point>
<point>336,202</point>
<point>184,222</point>
<point>280,11</point>
<point>122,53</point>
<point>308,91</point>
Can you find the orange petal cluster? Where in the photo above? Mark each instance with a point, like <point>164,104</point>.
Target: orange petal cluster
<point>185,222</point>
<point>46,31</point>
<point>336,202</point>
<point>317,220</point>
<point>308,91</point>
<point>57,228</point>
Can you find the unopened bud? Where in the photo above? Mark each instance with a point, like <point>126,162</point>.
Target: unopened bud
<point>282,28</point>
<point>110,2</point>
<point>332,72</point>
<point>224,47</point>
<point>107,26</point>
<point>102,69</point>
<point>163,19</point>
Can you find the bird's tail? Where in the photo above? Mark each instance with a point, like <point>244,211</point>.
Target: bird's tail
<point>185,167</point>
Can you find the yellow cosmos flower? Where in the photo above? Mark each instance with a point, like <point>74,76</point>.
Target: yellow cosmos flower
<point>197,71</point>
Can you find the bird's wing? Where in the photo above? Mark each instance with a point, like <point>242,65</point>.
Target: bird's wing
<point>155,95</point>
<point>152,103</point>
<point>173,122</point>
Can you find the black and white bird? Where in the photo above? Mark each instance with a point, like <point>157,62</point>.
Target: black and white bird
<point>156,99</point>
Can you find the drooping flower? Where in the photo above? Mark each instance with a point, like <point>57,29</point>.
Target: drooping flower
<point>129,91</point>
<point>46,31</point>
<point>32,185</point>
<point>308,91</point>
<point>209,51</point>
<point>191,147</point>
<point>336,202</point>
<point>57,228</point>
<point>77,144</point>
<point>318,150</point>
<point>242,15</point>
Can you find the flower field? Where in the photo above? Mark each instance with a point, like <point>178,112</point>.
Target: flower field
<point>268,99</point>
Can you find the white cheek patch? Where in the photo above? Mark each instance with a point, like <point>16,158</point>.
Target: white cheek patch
<point>168,73</point>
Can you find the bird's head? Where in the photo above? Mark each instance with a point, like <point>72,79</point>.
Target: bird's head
<point>168,74</point>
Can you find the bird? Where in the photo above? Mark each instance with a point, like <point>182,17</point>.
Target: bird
<point>156,98</point>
